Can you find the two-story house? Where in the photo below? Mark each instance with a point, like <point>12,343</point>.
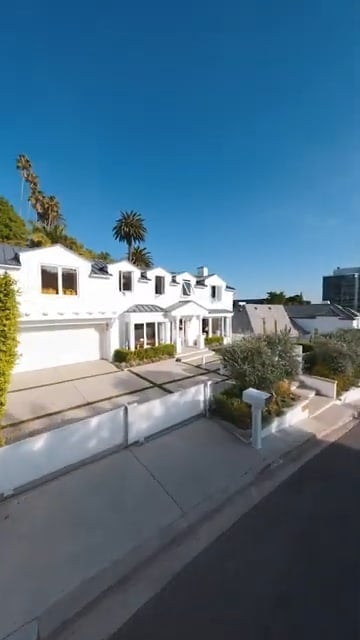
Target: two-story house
<point>73,310</point>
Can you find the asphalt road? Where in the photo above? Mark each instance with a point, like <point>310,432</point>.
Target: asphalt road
<point>289,569</point>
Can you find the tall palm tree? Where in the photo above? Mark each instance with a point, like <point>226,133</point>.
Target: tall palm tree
<point>142,258</point>
<point>23,165</point>
<point>130,228</point>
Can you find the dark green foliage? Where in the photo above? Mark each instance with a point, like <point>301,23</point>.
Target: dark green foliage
<point>144,355</point>
<point>9,315</point>
<point>214,340</point>
<point>12,227</point>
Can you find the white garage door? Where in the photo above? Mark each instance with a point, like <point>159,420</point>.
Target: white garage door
<point>43,347</point>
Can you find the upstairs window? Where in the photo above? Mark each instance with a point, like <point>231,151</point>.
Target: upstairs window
<point>186,288</point>
<point>125,281</point>
<point>216,293</point>
<point>159,285</point>
<point>59,281</point>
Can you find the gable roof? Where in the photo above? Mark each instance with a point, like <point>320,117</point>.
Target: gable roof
<point>324,309</point>
<point>144,308</point>
<point>262,318</point>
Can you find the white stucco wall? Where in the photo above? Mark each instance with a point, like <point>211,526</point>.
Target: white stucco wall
<point>326,324</point>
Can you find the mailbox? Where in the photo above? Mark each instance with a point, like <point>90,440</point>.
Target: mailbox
<point>255,397</point>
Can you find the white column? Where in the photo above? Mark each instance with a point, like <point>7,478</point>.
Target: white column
<point>210,327</point>
<point>131,336</point>
<point>167,331</point>
<point>177,336</point>
<point>156,333</point>
<point>222,326</point>
<point>200,340</point>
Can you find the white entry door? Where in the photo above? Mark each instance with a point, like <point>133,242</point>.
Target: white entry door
<point>43,347</point>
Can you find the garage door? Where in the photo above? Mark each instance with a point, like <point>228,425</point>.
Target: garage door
<point>43,347</point>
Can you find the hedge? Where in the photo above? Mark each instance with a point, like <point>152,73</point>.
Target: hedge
<point>143,355</point>
<point>214,340</point>
<point>9,314</point>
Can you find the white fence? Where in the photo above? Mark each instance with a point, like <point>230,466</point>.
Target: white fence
<point>30,460</point>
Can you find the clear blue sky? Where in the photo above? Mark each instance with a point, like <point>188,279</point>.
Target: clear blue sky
<point>232,126</point>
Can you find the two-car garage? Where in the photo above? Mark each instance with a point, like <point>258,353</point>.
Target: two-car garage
<point>44,346</point>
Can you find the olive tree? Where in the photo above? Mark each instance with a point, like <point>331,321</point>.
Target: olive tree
<point>261,361</point>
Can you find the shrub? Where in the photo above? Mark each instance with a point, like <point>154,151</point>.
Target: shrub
<point>144,355</point>
<point>261,361</point>
<point>9,314</point>
<point>331,356</point>
<point>306,346</point>
<point>214,340</point>
<point>232,409</point>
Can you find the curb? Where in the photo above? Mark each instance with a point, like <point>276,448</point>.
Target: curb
<point>74,604</point>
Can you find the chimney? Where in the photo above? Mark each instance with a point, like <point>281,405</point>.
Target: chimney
<point>203,272</point>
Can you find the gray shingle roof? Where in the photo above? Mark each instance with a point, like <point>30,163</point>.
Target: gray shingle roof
<point>144,308</point>
<point>219,311</point>
<point>313,310</point>
<point>10,255</point>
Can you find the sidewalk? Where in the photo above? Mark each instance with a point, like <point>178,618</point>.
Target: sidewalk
<point>65,541</point>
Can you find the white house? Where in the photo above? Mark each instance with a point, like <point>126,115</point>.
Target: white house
<point>73,310</point>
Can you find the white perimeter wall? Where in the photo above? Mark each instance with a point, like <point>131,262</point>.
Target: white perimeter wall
<point>26,462</point>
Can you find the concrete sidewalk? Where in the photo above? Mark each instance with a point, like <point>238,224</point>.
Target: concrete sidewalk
<point>65,541</point>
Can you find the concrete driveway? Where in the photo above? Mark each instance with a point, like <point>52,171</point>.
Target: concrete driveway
<point>49,391</point>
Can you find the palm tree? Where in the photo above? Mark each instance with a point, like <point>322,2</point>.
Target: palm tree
<point>130,228</point>
<point>142,258</point>
<point>23,165</point>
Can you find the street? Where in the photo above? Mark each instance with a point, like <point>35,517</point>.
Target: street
<point>288,569</point>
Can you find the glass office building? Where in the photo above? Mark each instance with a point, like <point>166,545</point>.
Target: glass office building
<point>343,288</point>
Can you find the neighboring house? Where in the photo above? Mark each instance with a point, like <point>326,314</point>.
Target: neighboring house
<point>73,310</point>
<point>260,319</point>
<point>323,318</point>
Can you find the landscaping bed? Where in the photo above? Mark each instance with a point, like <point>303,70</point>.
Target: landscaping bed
<point>125,358</point>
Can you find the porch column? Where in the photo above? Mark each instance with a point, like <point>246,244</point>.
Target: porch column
<point>200,340</point>
<point>156,333</point>
<point>167,331</point>
<point>177,336</point>
<point>131,336</point>
<point>210,327</point>
<point>223,326</point>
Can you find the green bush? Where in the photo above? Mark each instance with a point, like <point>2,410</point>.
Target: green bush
<point>9,314</point>
<point>307,347</point>
<point>144,355</point>
<point>261,361</point>
<point>232,409</point>
<point>213,340</point>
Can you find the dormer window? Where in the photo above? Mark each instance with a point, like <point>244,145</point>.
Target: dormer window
<point>125,281</point>
<point>159,285</point>
<point>186,288</point>
<point>216,293</point>
<point>173,278</point>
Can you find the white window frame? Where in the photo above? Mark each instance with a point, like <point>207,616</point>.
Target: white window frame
<point>162,285</point>
<point>122,282</point>
<point>184,284</point>
<point>60,269</point>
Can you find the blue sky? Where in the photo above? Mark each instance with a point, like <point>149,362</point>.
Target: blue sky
<point>232,126</point>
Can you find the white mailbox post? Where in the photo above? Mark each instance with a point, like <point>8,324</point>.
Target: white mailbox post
<point>257,400</point>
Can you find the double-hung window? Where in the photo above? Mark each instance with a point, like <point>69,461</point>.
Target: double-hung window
<point>59,280</point>
<point>125,281</point>
<point>159,285</point>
